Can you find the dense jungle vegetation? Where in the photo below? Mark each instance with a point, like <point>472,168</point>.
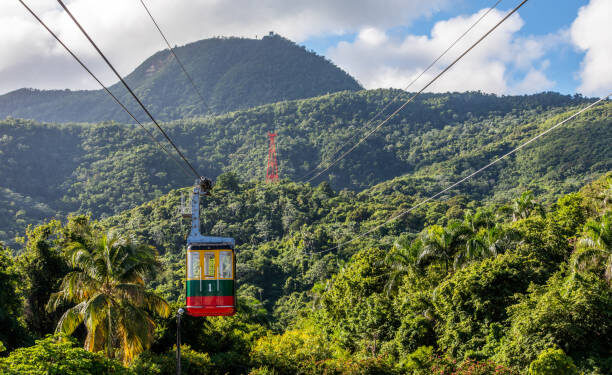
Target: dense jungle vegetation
<point>231,74</point>
<point>458,286</point>
<point>53,169</point>
<point>508,273</point>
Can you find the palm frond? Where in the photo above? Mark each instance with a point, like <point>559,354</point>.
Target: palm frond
<point>78,286</point>
<point>55,300</point>
<point>71,319</point>
<point>96,310</point>
<point>590,256</point>
<point>113,303</point>
<point>95,339</point>
<point>135,330</point>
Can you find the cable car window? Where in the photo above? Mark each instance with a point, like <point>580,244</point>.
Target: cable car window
<point>225,264</point>
<point>209,264</point>
<point>193,265</point>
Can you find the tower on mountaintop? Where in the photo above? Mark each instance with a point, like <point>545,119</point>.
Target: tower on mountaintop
<point>272,170</point>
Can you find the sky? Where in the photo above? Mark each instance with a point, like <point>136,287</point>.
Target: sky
<point>548,45</point>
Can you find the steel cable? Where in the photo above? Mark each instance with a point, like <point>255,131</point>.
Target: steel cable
<point>104,86</point>
<point>419,92</point>
<point>497,160</point>
<point>195,88</point>
<point>129,89</point>
<point>350,140</point>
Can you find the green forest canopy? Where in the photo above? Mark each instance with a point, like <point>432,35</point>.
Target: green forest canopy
<point>521,294</point>
<point>54,169</point>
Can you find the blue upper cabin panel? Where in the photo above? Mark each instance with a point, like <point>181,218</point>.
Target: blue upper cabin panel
<point>208,239</point>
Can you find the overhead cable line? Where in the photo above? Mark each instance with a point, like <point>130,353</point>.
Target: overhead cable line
<point>130,90</point>
<point>195,88</point>
<point>417,93</point>
<point>104,87</point>
<point>350,140</point>
<point>497,160</point>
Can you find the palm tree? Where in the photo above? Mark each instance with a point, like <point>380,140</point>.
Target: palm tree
<point>605,196</point>
<point>403,260</point>
<point>110,295</point>
<point>594,248</point>
<point>483,218</point>
<point>499,239</point>
<point>524,206</point>
<point>487,243</point>
<point>443,243</point>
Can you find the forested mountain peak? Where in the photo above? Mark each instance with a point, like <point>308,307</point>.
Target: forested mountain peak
<point>231,73</point>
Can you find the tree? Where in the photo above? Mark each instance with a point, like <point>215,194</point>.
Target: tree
<point>443,243</point>
<point>573,316</point>
<point>482,218</point>
<point>58,355</point>
<point>524,206</point>
<point>11,306</point>
<point>472,302</point>
<point>552,362</point>
<point>403,260</point>
<point>594,248</point>
<point>487,243</point>
<point>604,198</point>
<point>192,362</point>
<point>109,290</point>
<point>42,266</point>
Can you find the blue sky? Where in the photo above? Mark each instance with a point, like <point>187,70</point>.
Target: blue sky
<point>541,18</point>
<point>549,45</point>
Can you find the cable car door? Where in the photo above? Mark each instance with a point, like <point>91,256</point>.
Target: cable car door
<point>211,288</point>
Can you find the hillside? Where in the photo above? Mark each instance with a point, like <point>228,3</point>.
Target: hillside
<point>232,73</point>
<point>384,304</point>
<point>107,168</point>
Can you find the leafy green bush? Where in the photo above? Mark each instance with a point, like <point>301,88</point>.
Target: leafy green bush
<point>295,351</point>
<point>192,363</point>
<point>443,365</point>
<point>264,370</point>
<point>418,362</point>
<point>573,312</point>
<point>58,355</point>
<point>553,361</point>
<point>12,333</point>
<point>479,295</point>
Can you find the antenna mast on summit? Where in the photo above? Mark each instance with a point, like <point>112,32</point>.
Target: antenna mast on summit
<point>272,170</point>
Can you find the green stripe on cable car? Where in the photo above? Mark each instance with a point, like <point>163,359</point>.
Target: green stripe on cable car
<point>209,288</point>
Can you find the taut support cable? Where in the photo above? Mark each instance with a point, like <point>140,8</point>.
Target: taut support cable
<point>195,88</point>
<point>129,89</point>
<point>497,160</point>
<point>103,86</point>
<point>419,92</point>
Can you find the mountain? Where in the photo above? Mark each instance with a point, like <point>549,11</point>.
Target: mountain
<point>107,168</point>
<point>231,73</point>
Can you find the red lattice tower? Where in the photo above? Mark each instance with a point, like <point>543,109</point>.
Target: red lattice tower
<point>272,170</point>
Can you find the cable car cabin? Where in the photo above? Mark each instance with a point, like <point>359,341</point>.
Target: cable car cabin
<point>210,279</point>
<point>210,265</point>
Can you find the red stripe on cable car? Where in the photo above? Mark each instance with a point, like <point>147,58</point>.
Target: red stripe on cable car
<point>211,301</point>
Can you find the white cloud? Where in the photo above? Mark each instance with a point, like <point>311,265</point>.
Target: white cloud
<point>534,81</point>
<point>378,60</point>
<point>30,58</point>
<point>591,32</point>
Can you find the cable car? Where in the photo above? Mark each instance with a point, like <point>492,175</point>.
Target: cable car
<point>210,265</point>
